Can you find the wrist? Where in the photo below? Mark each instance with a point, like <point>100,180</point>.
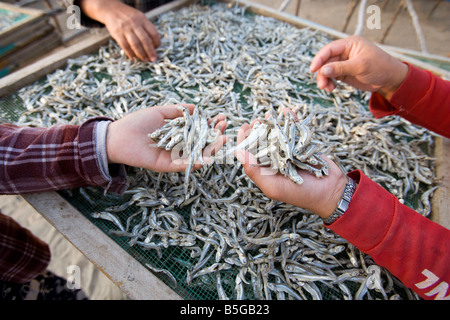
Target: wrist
<point>398,74</point>
<point>343,203</point>
<point>99,10</point>
<point>328,206</point>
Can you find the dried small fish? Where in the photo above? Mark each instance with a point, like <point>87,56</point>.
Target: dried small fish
<point>189,134</point>
<point>285,147</point>
<point>242,66</point>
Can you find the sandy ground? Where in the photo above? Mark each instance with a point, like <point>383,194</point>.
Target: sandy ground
<point>330,13</point>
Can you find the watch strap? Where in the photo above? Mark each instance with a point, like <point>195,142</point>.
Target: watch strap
<point>343,202</point>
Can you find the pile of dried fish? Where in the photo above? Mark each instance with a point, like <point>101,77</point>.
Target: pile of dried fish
<point>285,148</point>
<point>224,233</point>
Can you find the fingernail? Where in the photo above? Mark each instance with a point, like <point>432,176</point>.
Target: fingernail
<point>326,71</point>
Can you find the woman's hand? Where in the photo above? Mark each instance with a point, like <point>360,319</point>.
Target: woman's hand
<point>134,33</point>
<point>319,195</point>
<point>127,139</point>
<point>359,63</point>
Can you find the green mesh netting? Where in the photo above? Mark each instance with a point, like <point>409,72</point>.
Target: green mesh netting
<point>176,259</point>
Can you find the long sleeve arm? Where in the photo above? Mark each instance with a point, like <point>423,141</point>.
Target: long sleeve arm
<point>413,248</point>
<point>422,98</point>
<point>40,159</point>
<point>60,157</point>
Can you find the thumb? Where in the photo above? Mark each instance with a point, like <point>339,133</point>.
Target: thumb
<point>249,163</point>
<point>253,170</point>
<point>337,69</point>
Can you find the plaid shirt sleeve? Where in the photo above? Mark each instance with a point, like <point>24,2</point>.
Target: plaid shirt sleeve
<point>22,255</point>
<point>40,159</point>
<point>60,157</point>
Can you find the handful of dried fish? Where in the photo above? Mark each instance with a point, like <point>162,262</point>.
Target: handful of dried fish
<point>189,134</point>
<point>285,147</point>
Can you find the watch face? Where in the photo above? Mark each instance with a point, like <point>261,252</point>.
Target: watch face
<point>344,206</point>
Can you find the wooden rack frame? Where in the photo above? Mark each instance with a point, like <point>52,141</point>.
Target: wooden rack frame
<point>133,278</point>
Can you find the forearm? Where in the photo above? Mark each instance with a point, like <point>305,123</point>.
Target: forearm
<point>60,157</point>
<point>422,98</point>
<point>409,245</point>
<point>95,9</point>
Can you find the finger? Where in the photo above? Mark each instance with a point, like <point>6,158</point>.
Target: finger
<point>218,118</point>
<point>321,78</point>
<point>338,69</point>
<point>254,121</point>
<point>333,49</point>
<point>243,132</point>
<point>135,45</point>
<point>172,111</point>
<point>146,44</point>
<point>153,33</point>
<point>121,41</point>
<point>322,81</point>
<point>288,110</point>
<point>221,126</point>
<point>330,86</point>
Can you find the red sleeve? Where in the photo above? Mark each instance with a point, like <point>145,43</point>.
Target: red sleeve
<point>423,98</point>
<point>413,248</point>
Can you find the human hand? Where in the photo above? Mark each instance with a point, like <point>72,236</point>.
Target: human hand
<point>134,33</point>
<point>318,195</point>
<point>359,63</point>
<point>127,140</point>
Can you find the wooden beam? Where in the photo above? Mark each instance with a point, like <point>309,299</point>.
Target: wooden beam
<point>33,72</point>
<point>441,198</point>
<point>394,17</point>
<point>349,14</point>
<point>300,22</point>
<point>286,17</point>
<point>33,15</point>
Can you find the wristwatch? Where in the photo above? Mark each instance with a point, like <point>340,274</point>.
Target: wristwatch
<point>343,203</point>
